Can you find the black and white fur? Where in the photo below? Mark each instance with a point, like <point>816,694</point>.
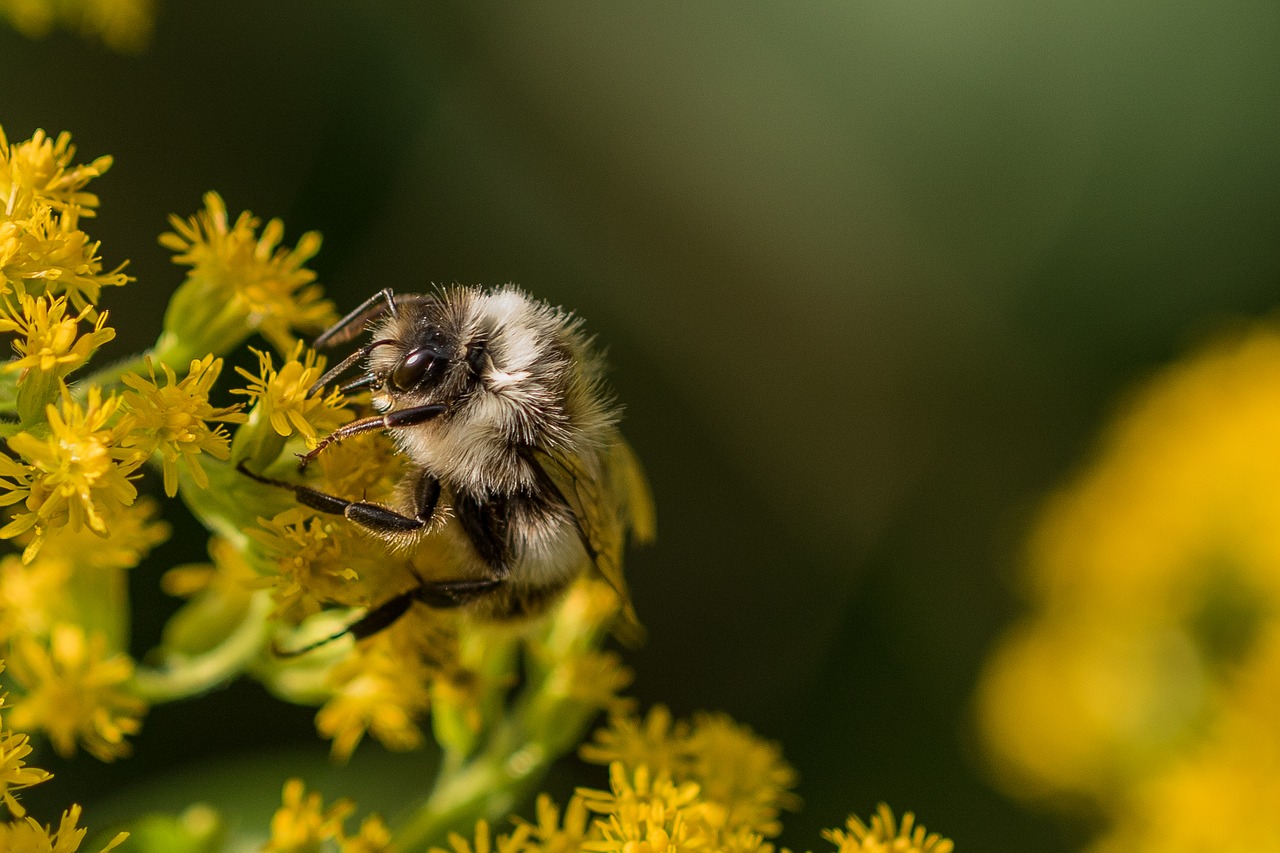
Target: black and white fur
<point>482,390</point>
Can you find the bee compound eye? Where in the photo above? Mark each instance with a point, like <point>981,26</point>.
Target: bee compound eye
<point>412,368</point>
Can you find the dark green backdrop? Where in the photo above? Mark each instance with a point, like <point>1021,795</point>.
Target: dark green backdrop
<point>870,277</point>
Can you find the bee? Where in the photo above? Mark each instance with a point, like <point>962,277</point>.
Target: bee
<point>497,402</point>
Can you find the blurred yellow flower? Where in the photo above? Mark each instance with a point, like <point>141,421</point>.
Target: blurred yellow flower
<point>656,741</point>
<point>383,688</point>
<point>1154,599</point>
<point>484,842</point>
<point>551,834</point>
<point>886,835</point>
<point>132,531</point>
<point>122,25</point>
<point>76,691</point>
<point>592,678</point>
<point>32,596</point>
<point>302,823</point>
<point>373,837</point>
<point>173,419</point>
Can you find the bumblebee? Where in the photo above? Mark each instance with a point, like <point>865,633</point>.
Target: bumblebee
<point>497,402</point>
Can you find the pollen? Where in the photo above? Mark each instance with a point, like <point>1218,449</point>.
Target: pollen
<point>173,419</point>
<point>76,692</point>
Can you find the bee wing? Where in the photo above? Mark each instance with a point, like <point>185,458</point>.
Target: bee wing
<point>605,505</point>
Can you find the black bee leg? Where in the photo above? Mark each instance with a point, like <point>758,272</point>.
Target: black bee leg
<point>373,516</point>
<point>448,594</point>
<point>373,621</point>
<point>348,327</point>
<point>345,365</point>
<point>400,418</point>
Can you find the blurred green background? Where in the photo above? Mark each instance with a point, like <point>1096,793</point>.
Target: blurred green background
<point>870,277</point>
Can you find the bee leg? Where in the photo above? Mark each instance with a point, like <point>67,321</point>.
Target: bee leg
<point>447,594</point>
<point>375,517</point>
<point>373,621</point>
<point>402,417</point>
<point>348,327</point>
<point>345,365</point>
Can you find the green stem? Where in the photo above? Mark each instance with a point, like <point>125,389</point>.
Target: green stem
<point>500,777</point>
<point>188,675</point>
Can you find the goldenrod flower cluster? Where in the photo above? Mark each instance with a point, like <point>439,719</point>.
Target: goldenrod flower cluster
<point>285,582</point>
<point>642,811</point>
<point>22,833</point>
<point>1145,680</point>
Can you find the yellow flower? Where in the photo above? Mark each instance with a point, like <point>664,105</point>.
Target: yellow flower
<point>36,595</point>
<point>384,688</point>
<point>592,678</point>
<point>76,693</point>
<point>740,771</point>
<point>32,596</point>
<point>40,170</point>
<point>550,834</point>
<point>484,843</point>
<point>656,742</point>
<point>46,253</point>
<point>1152,579</point>
<point>373,837</point>
<point>282,394</point>
<point>173,419</point>
<point>646,815</point>
<point>1219,793</point>
<point>301,824</point>
<point>885,835</point>
<point>321,561</point>
<point>744,780</point>
<point>28,836</point>
<point>132,531</point>
<point>14,772</point>
<point>241,281</point>
<point>53,343</point>
<point>70,475</point>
